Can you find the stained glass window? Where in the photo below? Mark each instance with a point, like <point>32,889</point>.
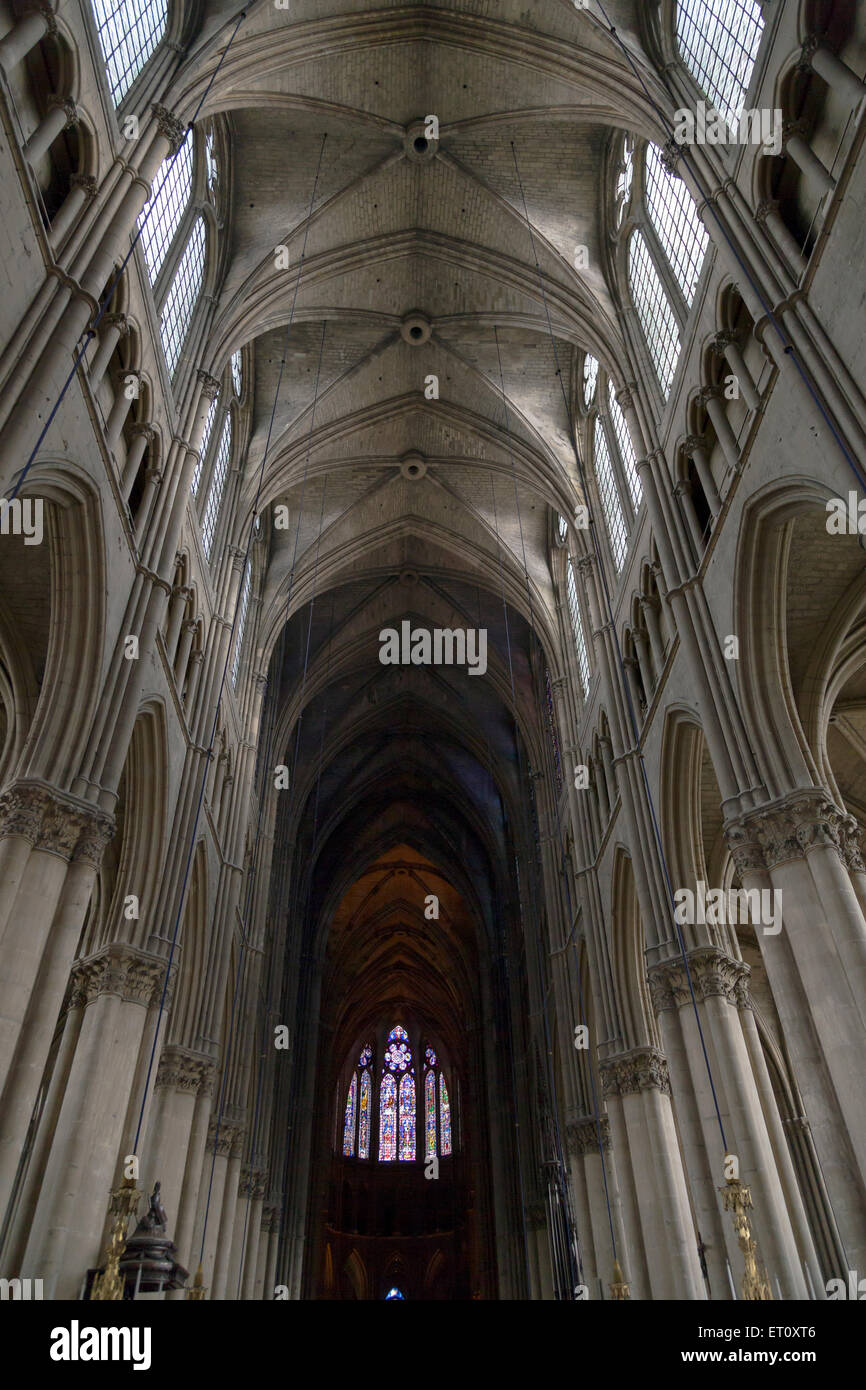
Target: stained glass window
<point>430,1114</point>
<point>365,1057</point>
<point>242,620</point>
<point>394,1293</point>
<point>205,443</point>
<point>349,1121</point>
<point>554,740</point>
<point>610,502</point>
<point>430,1058</point>
<point>718,41</point>
<point>674,216</point>
<point>160,218</point>
<point>397,1053</point>
<point>444,1116</point>
<point>654,310</point>
<point>577,626</point>
<point>182,296</point>
<point>387,1118</point>
<point>366,1101</point>
<point>129,32</point>
<point>625,446</point>
<point>218,482</point>
<point>407,1116</point>
<point>590,376</point>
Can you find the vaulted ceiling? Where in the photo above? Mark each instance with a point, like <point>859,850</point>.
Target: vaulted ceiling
<point>450,258</point>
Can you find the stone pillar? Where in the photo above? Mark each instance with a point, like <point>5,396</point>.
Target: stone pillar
<point>115,988</point>
<point>41,830</point>
<point>82,188</point>
<point>796,148</point>
<point>713,398</point>
<point>123,402</point>
<point>696,449</point>
<point>203,1070</point>
<point>142,437</point>
<point>61,114</point>
<point>835,73</point>
<point>112,329</point>
<point>683,491</point>
<point>725,345</point>
<point>640,1078</point>
<point>650,610</point>
<point>26,34</point>
<point>40,1019</point>
<point>716,979</point>
<point>253,1193</point>
<point>767,212</point>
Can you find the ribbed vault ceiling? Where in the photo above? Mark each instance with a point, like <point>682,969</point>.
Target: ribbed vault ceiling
<point>479,238</point>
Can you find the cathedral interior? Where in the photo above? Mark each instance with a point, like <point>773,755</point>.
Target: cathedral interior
<point>432,649</point>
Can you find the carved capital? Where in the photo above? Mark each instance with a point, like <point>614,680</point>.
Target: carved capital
<point>628,1073</point>
<point>147,431</point>
<point>118,321</point>
<point>183,1071</point>
<point>693,442</point>
<point>582,1135</point>
<point>713,972</point>
<point>68,107</point>
<point>53,822</point>
<point>209,385</point>
<point>765,208</point>
<point>135,976</point>
<point>722,341</point>
<point>170,127</point>
<point>808,50</point>
<point>84,181</point>
<point>746,851</point>
<point>671,155</point>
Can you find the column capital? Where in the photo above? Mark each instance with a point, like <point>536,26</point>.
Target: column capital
<point>183,1070</point>
<point>147,431</point>
<point>135,976</point>
<point>809,48</point>
<point>55,822</point>
<point>694,441</point>
<point>624,398</point>
<point>793,827</point>
<point>711,393</point>
<point>671,155</point>
<point>713,972</point>
<point>582,1135</point>
<point>118,321</point>
<point>683,488</point>
<point>68,107</point>
<point>209,384</point>
<point>85,181</point>
<point>169,126</point>
<point>765,209</point>
<point>629,1073</point>
<point>722,341</point>
<point>44,8</point>
<point>790,128</point>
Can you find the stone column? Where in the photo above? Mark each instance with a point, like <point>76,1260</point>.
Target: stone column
<point>123,402</point>
<point>650,610</point>
<point>683,491</point>
<point>188,1252</point>
<point>112,329</point>
<point>835,73</point>
<point>30,28</point>
<point>143,436</point>
<point>640,1078</point>
<point>82,188</point>
<point>255,1194</point>
<point>695,447</point>
<point>61,114</point>
<point>767,212</point>
<point>796,148</point>
<point>264,1248</point>
<point>40,1020</point>
<point>41,828</point>
<point>713,397</point>
<point>725,345</point>
<point>116,987</point>
<point>716,979</point>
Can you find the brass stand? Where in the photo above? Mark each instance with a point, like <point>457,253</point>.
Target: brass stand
<point>619,1288</point>
<point>737,1199</point>
<point>110,1283</point>
<point>197,1289</point>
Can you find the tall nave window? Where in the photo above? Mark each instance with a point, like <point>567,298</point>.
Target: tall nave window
<point>718,42</point>
<point>129,34</point>
<point>414,1117</point>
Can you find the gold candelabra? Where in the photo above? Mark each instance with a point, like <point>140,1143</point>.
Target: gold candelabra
<point>124,1201</point>
<point>737,1199</point>
<point>619,1288</point>
<point>197,1289</point>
